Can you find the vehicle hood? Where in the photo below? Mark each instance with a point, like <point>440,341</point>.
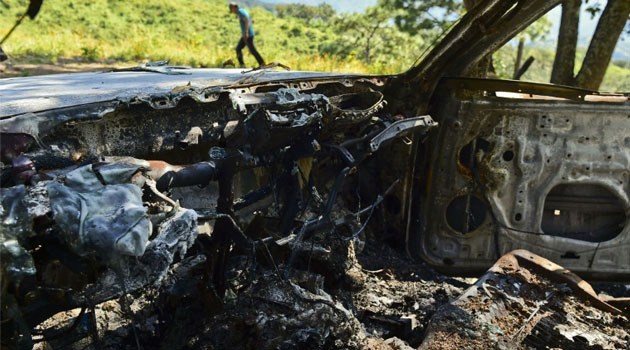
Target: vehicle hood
<point>38,93</point>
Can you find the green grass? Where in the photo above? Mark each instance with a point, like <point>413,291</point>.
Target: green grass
<point>199,33</point>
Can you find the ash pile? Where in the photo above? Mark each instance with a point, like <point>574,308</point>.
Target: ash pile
<point>265,220</point>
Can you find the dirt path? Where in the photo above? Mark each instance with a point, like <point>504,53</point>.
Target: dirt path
<point>18,69</point>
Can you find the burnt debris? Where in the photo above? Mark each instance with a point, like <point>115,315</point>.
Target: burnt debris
<point>148,208</point>
<point>281,172</point>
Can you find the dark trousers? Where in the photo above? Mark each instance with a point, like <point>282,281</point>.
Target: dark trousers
<point>252,49</point>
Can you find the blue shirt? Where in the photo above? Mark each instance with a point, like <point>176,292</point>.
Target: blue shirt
<point>242,14</point>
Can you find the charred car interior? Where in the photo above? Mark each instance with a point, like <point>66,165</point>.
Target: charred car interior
<point>251,208</point>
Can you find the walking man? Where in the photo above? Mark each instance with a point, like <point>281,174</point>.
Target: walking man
<point>247,38</point>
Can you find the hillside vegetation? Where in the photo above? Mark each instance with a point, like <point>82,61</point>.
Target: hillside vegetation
<point>617,75</point>
<point>201,33</point>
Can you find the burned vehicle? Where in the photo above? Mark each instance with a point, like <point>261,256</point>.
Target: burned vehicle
<point>136,179</point>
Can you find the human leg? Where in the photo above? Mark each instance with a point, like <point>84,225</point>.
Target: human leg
<point>252,49</point>
<point>239,52</point>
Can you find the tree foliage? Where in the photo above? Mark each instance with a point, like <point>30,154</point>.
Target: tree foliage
<point>373,37</point>
<point>202,33</point>
<point>322,12</point>
<point>595,7</point>
<point>537,30</point>
<point>610,26</point>
<point>414,16</point>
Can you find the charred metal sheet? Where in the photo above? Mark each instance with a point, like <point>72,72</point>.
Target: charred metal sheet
<point>400,127</point>
<point>100,126</point>
<point>550,176</point>
<point>525,301</point>
<point>108,170</point>
<point>355,107</point>
<point>32,94</point>
<point>161,67</point>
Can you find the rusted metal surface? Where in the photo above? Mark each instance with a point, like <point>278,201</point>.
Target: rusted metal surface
<point>550,176</point>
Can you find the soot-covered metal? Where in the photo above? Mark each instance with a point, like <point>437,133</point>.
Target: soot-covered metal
<point>263,209</point>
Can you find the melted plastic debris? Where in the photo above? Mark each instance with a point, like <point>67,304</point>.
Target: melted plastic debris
<point>96,209</point>
<point>17,263</point>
